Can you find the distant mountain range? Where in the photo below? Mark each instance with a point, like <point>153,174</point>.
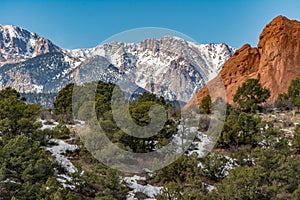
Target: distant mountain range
<point>170,66</point>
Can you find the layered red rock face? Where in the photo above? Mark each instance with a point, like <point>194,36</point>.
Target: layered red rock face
<point>275,62</point>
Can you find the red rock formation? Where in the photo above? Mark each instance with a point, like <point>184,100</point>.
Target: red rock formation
<point>275,61</point>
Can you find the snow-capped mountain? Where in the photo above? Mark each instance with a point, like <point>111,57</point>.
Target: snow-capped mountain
<point>18,44</point>
<point>170,66</point>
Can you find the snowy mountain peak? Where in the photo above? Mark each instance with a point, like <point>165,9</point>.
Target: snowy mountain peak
<point>18,44</point>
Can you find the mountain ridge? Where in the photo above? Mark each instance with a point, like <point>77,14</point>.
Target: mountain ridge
<point>171,67</point>
<point>156,60</point>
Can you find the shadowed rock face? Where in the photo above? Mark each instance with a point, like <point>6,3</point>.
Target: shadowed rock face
<point>275,61</point>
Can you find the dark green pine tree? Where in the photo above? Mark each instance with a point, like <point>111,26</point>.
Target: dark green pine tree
<point>17,117</point>
<point>294,92</point>
<point>24,167</point>
<point>250,95</point>
<point>206,104</point>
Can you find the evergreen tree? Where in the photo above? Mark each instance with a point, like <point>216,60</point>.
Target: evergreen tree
<point>24,168</point>
<point>17,117</point>
<point>63,100</point>
<point>239,129</point>
<point>206,104</point>
<point>296,139</point>
<point>63,103</point>
<point>242,183</point>
<point>250,95</point>
<point>294,92</point>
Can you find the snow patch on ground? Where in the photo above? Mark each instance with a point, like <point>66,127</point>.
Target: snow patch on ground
<point>149,190</point>
<point>230,164</point>
<point>209,187</point>
<point>65,180</point>
<point>59,150</point>
<point>199,146</point>
<point>47,124</point>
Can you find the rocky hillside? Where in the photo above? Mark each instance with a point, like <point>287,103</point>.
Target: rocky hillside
<point>275,61</point>
<point>18,44</point>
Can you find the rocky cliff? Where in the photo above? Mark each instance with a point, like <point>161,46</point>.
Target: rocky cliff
<point>275,62</point>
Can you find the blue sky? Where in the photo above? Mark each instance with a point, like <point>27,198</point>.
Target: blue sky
<point>82,23</point>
